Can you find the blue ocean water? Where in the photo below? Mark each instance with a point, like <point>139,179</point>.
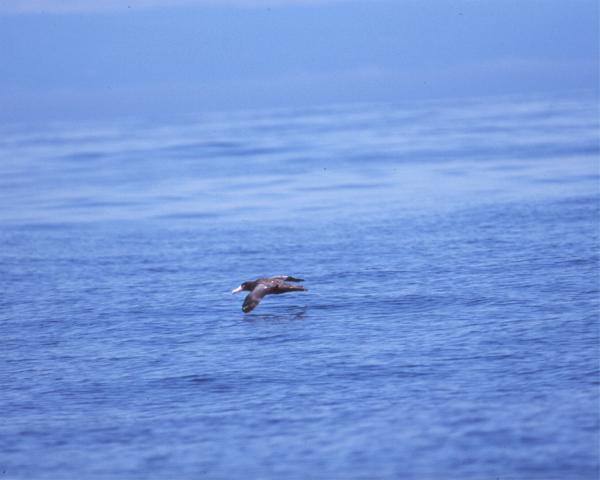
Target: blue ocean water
<point>451,328</point>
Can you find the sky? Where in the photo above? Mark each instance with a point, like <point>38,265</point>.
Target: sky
<point>86,59</point>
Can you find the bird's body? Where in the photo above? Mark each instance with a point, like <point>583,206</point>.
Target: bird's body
<point>261,287</point>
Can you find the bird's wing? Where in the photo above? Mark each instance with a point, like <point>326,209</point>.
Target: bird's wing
<point>254,298</point>
<point>283,287</point>
<point>286,278</point>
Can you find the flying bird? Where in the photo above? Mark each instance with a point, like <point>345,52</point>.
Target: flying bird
<point>267,286</point>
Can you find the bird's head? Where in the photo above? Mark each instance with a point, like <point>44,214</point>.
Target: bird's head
<point>246,286</point>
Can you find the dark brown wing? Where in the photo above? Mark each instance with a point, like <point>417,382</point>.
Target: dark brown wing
<point>286,278</point>
<point>282,287</point>
<point>254,297</point>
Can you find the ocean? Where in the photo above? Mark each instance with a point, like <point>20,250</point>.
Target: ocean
<point>450,330</point>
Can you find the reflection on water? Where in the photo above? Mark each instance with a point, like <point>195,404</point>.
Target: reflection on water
<point>450,329</point>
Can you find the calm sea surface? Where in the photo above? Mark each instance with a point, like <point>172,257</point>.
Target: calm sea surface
<point>451,330</point>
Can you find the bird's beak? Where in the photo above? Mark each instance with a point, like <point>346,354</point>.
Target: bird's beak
<point>237,290</point>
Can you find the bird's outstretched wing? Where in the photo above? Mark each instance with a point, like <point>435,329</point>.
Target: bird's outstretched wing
<point>286,278</point>
<point>254,298</point>
<point>283,287</point>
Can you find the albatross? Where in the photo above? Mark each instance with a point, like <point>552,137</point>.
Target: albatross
<point>267,286</point>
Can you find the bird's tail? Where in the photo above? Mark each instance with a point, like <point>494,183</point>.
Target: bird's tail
<point>298,288</point>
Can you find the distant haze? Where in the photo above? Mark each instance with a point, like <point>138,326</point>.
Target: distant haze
<point>98,59</point>
<point>78,6</point>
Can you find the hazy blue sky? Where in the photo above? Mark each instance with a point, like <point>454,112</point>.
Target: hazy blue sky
<point>97,58</point>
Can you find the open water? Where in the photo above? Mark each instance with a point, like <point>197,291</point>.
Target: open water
<point>450,331</point>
